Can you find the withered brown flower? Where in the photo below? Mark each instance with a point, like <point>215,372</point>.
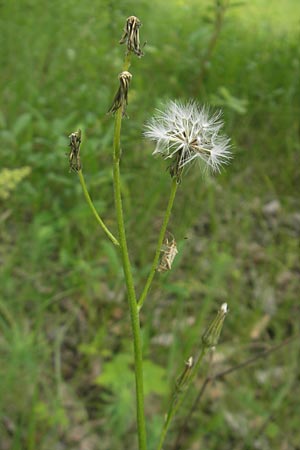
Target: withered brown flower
<point>131,36</point>
<point>121,97</point>
<point>74,156</point>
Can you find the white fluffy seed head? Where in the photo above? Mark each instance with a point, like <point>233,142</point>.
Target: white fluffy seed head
<point>188,132</point>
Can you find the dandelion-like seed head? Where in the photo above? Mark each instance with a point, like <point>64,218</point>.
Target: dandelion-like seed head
<point>188,132</point>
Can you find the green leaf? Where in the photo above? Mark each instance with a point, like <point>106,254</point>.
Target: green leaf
<point>154,378</point>
<point>116,373</point>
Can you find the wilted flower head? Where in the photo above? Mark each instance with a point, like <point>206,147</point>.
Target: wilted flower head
<point>187,132</point>
<point>74,154</point>
<point>121,97</point>
<point>131,36</point>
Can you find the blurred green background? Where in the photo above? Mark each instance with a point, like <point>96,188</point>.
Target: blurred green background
<point>66,379</point>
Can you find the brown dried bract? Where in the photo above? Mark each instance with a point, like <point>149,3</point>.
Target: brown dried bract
<point>74,156</point>
<point>131,36</point>
<point>169,251</point>
<point>121,97</point>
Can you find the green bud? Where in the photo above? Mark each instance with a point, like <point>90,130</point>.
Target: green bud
<point>211,335</point>
<point>184,377</point>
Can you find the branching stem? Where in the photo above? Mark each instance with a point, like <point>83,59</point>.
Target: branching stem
<point>94,211</point>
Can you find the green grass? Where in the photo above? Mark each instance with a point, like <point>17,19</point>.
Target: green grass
<point>63,314</point>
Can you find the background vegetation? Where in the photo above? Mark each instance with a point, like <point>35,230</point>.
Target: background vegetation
<point>66,379</point>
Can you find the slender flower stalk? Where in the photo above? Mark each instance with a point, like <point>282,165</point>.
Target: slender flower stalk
<point>75,166</point>
<point>159,243</point>
<point>134,312</point>
<point>94,211</point>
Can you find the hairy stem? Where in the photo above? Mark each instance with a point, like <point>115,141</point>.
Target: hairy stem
<point>91,205</point>
<point>159,243</point>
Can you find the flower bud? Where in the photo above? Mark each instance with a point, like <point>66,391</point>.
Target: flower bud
<point>184,377</point>
<point>211,335</point>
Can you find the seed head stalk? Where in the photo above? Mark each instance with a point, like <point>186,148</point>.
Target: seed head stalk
<point>134,312</point>
<point>159,243</point>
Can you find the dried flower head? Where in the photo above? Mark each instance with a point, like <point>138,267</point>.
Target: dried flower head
<point>131,36</point>
<point>74,156</point>
<point>187,132</point>
<point>121,97</point>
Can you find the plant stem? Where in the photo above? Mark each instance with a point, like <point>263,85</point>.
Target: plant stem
<point>159,243</point>
<point>91,205</point>
<point>134,312</point>
<point>171,413</point>
<point>202,353</point>
<point>178,398</point>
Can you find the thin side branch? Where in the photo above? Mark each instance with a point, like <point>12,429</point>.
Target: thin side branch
<point>94,211</point>
<point>159,244</point>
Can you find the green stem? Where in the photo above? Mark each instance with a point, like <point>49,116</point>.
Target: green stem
<point>171,413</point>
<point>91,205</point>
<point>159,244</point>
<point>127,62</point>
<point>178,399</point>
<point>202,353</point>
<point>134,312</point>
